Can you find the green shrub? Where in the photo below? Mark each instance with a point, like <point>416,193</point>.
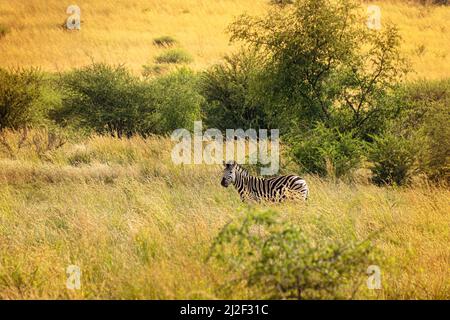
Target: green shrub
<point>174,56</point>
<point>164,41</point>
<point>111,100</point>
<point>429,109</point>
<point>321,63</point>
<point>434,157</point>
<point>279,261</point>
<point>177,101</point>
<point>425,121</point>
<point>393,159</point>
<point>230,90</point>
<point>327,152</point>
<point>106,99</point>
<point>20,92</point>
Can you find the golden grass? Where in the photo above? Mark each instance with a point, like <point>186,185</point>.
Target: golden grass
<point>140,227</point>
<point>123,32</point>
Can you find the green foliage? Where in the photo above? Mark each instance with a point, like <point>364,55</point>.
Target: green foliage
<point>110,100</point>
<point>280,261</point>
<point>393,159</point>
<point>418,141</point>
<point>323,64</point>
<point>328,152</point>
<point>174,56</point>
<point>435,155</point>
<point>425,122</point>
<point>20,94</point>
<point>177,101</point>
<point>164,41</point>
<point>230,92</point>
<point>106,99</point>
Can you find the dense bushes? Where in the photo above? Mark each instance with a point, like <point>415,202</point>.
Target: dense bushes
<point>280,261</point>
<point>328,152</point>
<point>424,122</point>
<point>435,153</point>
<point>333,87</point>
<point>20,98</point>
<point>106,99</point>
<point>418,140</point>
<point>317,73</point>
<point>323,64</point>
<point>393,159</point>
<point>111,100</point>
<point>230,90</point>
<point>177,101</point>
<point>311,69</point>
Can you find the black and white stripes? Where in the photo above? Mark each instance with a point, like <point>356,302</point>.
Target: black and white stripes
<point>256,188</point>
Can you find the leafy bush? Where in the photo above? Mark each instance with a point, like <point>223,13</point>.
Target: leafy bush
<point>177,101</point>
<point>434,157</point>
<point>425,122</point>
<point>110,100</point>
<point>429,115</point>
<point>230,92</point>
<point>164,41</point>
<point>280,261</point>
<point>20,91</point>
<point>325,151</point>
<point>106,99</point>
<point>323,63</point>
<point>393,159</point>
<point>174,56</point>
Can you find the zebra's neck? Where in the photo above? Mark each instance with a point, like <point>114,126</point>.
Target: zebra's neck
<point>240,173</point>
<point>241,180</point>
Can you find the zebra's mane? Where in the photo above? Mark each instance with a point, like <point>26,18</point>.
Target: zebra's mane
<point>242,171</point>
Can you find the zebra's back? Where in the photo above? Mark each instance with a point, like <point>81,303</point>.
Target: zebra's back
<point>278,188</point>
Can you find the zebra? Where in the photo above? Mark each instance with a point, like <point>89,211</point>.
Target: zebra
<point>257,188</point>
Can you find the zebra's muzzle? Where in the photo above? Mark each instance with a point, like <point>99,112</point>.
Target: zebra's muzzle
<point>224,183</point>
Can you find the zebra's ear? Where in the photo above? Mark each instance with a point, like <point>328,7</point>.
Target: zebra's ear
<point>229,164</point>
<point>224,163</point>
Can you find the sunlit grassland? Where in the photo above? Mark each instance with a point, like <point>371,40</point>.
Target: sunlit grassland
<point>140,226</point>
<point>123,32</point>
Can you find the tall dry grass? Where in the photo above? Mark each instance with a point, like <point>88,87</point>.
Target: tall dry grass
<point>139,226</point>
<point>123,32</point>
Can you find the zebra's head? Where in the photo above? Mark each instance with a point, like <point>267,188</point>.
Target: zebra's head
<point>229,173</point>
